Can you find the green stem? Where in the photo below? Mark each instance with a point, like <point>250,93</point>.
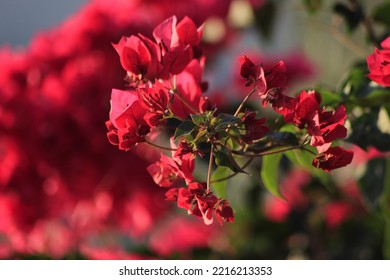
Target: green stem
<point>243,101</point>
<point>210,167</point>
<point>160,147</point>
<point>274,152</point>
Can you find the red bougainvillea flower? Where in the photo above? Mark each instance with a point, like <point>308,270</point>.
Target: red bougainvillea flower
<point>333,158</point>
<point>307,106</point>
<point>329,126</point>
<point>254,128</point>
<point>201,202</point>
<point>189,86</point>
<point>276,78</point>
<point>139,56</point>
<point>223,212</point>
<point>253,74</point>
<point>169,173</point>
<point>379,64</point>
<point>127,126</point>
<point>155,100</point>
<point>177,42</point>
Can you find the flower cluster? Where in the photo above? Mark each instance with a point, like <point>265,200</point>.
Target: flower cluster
<point>62,186</point>
<point>303,111</point>
<point>165,88</point>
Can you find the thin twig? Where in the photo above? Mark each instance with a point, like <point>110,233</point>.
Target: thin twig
<point>234,174</point>
<point>160,147</point>
<point>210,167</point>
<point>243,101</point>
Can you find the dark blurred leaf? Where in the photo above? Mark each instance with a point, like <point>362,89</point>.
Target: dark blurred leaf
<point>385,203</point>
<point>220,187</point>
<point>365,132</point>
<point>270,173</point>
<point>381,13</point>
<point>312,5</point>
<point>185,128</point>
<point>329,97</point>
<point>357,81</point>
<point>386,241</point>
<point>372,183</point>
<point>227,119</point>
<point>352,15</point>
<point>224,157</point>
<point>282,138</point>
<point>265,17</point>
<point>376,97</point>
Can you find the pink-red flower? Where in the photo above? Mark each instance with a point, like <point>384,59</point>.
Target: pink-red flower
<point>328,127</point>
<point>156,100</point>
<point>379,64</point>
<point>253,74</point>
<point>201,202</point>
<point>178,42</point>
<point>333,158</point>
<point>127,126</point>
<point>139,56</point>
<point>170,172</point>
<point>254,128</point>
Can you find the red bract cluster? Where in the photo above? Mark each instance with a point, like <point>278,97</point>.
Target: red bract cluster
<point>379,64</point>
<point>165,89</point>
<point>61,185</point>
<point>303,111</point>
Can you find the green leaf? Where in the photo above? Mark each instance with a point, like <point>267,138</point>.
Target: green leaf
<point>365,132</point>
<point>312,5</point>
<point>328,97</point>
<point>220,187</point>
<point>270,173</point>
<point>372,183</point>
<point>185,128</point>
<point>198,119</point>
<point>386,210</point>
<point>376,97</point>
<point>224,157</point>
<point>225,120</point>
<point>283,138</point>
<point>386,241</point>
<point>381,13</point>
<point>200,136</point>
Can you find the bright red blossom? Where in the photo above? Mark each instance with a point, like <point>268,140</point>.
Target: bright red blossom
<point>169,172</point>
<point>156,101</point>
<point>177,42</point>
<point>253,74</point>
<point>328,127</point>
<point>333,158</point>
<point>203,203</point>
<point>127,126</point>
<point>139,56</point>
<point>379,64</point>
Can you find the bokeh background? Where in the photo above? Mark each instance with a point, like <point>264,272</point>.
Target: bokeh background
<point>65,192</point>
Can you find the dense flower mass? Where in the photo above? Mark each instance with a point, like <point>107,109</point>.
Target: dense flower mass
<point>379,64</point>
<point>62,186</point>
